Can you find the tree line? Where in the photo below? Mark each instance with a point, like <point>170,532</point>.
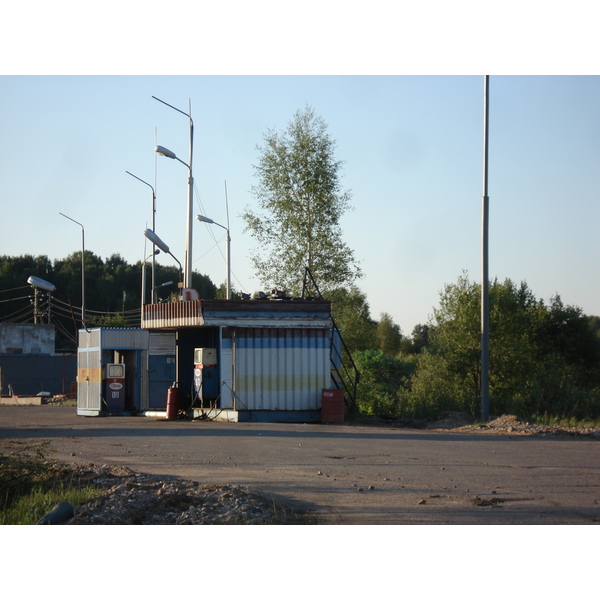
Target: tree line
<point>544,357</point>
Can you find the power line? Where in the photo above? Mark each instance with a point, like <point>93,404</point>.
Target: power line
<point>15,299</point>
<point>14,289</point>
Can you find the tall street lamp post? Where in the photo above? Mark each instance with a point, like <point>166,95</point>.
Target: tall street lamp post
<point>154,252</point>
<point>82,267</point>
<point>187,280</point>
<point>485,311</point>
<point>228,256</point>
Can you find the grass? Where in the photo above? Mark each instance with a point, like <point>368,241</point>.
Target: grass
<point>31,485</point>
<point>288,516</point>
<point>553,421</point>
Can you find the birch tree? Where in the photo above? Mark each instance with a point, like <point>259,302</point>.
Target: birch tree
<point>300,202</point>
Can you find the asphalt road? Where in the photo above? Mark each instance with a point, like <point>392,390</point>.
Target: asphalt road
<point>344,474</point>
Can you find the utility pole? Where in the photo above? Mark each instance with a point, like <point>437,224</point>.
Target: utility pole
<point>485,311</point>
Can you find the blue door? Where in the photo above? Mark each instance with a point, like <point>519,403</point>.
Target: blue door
<point>162,374</point>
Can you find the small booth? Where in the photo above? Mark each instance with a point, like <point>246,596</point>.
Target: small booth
<point>117,368</point>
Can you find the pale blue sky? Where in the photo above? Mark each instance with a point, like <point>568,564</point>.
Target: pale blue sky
<point>412,147</point>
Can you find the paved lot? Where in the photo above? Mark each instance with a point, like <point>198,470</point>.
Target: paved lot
<point>345,474</point>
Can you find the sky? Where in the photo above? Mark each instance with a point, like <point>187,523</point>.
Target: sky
<point>411,142</point>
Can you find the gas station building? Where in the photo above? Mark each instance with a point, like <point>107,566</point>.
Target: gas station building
<point>237,360</point>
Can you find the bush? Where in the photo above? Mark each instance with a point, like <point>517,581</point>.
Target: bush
<point>382,381</point>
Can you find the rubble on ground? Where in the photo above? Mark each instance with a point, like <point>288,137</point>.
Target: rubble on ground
<point>130,498</point>
<point>457,421</point>
<point>508,424</point>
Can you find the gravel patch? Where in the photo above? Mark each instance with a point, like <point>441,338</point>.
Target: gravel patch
<point>516,426</point>
<point>130,498</point>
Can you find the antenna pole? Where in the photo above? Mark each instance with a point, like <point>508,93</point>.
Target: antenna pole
<point>228,247</point>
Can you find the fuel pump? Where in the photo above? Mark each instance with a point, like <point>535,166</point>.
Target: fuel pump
<point>206,374</point>
<point>114,386</point>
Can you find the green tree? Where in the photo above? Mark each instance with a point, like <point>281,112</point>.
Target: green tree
<point>300,202</point>
<point>418,340</point>
<point>543,359</point>
<point>389,335</point>
<point>450,370</point>
<point>594,323</point>
<point>204,286</point>
<point>221,292</point>
<point>352,315</point>
<point>382,382</point>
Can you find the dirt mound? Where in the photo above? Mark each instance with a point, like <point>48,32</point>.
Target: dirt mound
<point>506,421</point>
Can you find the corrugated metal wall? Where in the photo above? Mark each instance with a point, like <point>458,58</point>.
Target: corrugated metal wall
<point>280,369</point>
<point>89,381</point>
<point>123,338</point>
<point>173,314</point>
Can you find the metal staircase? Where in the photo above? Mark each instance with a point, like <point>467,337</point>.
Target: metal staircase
<point>344,372</point>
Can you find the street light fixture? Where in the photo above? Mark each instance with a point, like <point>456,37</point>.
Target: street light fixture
<point>163,285</point>
<point>203,219</point>
<point>156,240</point>
<point>41,284</point>
<point>166,152</point>
<point>154,252</point>
<point>82,267</point>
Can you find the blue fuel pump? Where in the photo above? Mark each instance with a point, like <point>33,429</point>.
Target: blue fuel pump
<point>206,374</point>
<point>114,386</point>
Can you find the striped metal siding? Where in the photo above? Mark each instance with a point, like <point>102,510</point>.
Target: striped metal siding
<point>280,369</point>
<point>113,338</point>
<point>89,380</point>
<point>172,314</point>
<point>124,339</point>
